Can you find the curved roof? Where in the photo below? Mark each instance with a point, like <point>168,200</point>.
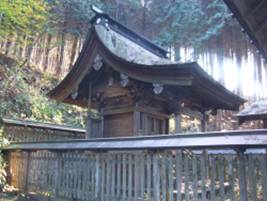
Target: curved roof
<point>142,62</point>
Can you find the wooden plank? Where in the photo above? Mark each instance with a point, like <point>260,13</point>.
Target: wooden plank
<point>203,176</point>
<point>108,175</point>
<point>137,169</point>
<point>124,174</point>
<point>142,176</point>
<point>80,176</point>
<point>98,176</point>
<point>212,177</point>
<point>195,178</point>
<point>242,175</point>
<point>210,140</point>
<point>26,170</point>
<point>103,175</point>
<point>85,179</point>
<point>178,174</point>
<point>263,166</point>
<point>252,178</point>
<point>130,176</point>
<point>58,173</point>
<point>221,178</point>
<point>148,171</point>
<point>231,177</point>
<point>136,122</point>
<point>170,171</point>
<point>156,178</point>
<point>119,174</point>
<point>113,174</point>
<point>186,176</point>
<point>163,177</point>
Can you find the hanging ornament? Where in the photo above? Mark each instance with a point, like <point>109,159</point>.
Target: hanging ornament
<point>158,88</point>
<point>98,21</point>
<point>110,81</point>
<point>124,80</point>
<point>106,24</point>
<point>98,63</point>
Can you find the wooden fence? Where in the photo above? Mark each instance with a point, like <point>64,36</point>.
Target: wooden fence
<point>215,166</point>
<point>23,131</point>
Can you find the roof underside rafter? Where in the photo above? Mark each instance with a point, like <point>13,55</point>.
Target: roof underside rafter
<point>252,16</point>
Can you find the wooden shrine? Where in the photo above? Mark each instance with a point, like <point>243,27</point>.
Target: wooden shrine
<point>134,86</point>
<point>255,111</point>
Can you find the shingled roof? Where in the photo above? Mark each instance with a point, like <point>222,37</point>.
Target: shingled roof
<point>136,57</point>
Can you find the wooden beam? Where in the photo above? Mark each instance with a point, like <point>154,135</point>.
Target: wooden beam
<point>89,122</point>
<point>118,110</point>
<point>152,112</point>
<point>212,140</point>
<point>261,26</point>
<point>253,10</point>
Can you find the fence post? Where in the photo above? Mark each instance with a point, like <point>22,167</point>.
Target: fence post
<point>58,173</point>
<point>26,173</point>
<point>156,177</point>
<point>97,177</point>
<point>242,175</point>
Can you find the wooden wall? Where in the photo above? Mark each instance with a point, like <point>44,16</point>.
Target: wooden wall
<point>118,125</point>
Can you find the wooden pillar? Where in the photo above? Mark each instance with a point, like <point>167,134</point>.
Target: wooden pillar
<point>89,107</point>
<point>101,132</point>
<point>177,118</point>
<point>136,123</point>
<point>204,122</point>
<point>264,123</point>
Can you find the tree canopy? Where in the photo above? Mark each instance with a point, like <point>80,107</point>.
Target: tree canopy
<point>22,17</point>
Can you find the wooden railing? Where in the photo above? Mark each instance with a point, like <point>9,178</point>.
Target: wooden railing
<point>212,166</point>
<point>23,131</point>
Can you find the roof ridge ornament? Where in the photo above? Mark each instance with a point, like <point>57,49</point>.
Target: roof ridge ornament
<point>97,10</point>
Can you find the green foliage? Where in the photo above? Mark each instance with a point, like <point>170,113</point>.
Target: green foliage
<point>2,163</point>
<point>2,172</point>
<point>22,17</point>
<point>71,16</point>
<point>22,96</point>
<point>188,23</point>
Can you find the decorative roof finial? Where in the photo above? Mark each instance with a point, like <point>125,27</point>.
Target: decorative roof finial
<point>96,10</point>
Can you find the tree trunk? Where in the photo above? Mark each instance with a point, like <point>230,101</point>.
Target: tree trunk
<point>61,56</point>
<point>8,45</point>
<point>47,50</point>
<point>73,51</point>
